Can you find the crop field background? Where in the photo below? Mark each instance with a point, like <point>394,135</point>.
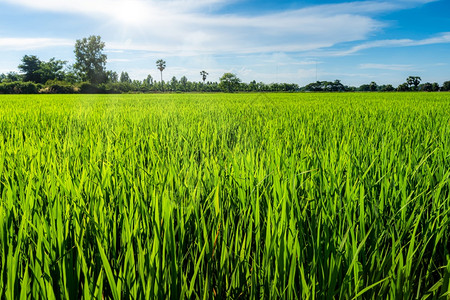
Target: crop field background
<point>237,195</point>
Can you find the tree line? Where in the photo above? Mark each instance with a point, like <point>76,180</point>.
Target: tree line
<point>89,75</point>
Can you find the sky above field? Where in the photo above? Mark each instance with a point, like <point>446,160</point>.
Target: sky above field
<point>265,40</point>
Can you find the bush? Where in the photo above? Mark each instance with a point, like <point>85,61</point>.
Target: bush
<point>19,87</point>
<point>115,88</point>
<point>61,89</point>
<point>87,88</point>
<point>58,87</point>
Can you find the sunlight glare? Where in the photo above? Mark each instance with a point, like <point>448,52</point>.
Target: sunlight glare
<point>131,13</point>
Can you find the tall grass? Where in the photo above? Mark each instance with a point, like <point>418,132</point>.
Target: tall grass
<point>238,196</point>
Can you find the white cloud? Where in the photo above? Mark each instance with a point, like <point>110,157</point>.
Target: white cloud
<point>32,43</point>
<point>188,27</point>
<point>192,27</point>
<point>390,67</point>
<point>119,60</point>
<point>283,32</point>
<point>366,7</point>
<point>440,39</point>
<point>197,35</point>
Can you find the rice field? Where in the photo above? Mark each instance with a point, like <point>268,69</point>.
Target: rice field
<point>200,196</point>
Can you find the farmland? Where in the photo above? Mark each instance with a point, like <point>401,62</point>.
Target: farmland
<point>225,195</point>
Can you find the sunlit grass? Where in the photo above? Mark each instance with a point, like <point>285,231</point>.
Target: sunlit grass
<point>245,195</point>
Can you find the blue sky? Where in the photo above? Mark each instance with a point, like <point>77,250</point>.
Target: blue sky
<point>270,41</point>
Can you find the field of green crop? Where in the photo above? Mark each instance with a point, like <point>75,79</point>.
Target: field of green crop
<point>238,196</point>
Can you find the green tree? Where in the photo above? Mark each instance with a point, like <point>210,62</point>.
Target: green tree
<point>413,80</point>
<point>125,78</point>
<point>313,86</point>
<point>40,71</point>
<point>30,66</point>
<point>161,65</point>
<point>336,86</point>
<point>426,87</point>
<point>52,70</point>
<point>445,86</point>
<point>90,61</point>
<point>387,88</point>
<point>112,77</point>
<point>435,87</point>
<point>364,88</point>
<point>12,77</point>
<point>148,80</point>
<point>229,82</point>
<point>204,74</point>
<point>404,87</point>
<point>71,76</point>
<point>173,83</point>
<point>373,86</point>
<point>183,83</point>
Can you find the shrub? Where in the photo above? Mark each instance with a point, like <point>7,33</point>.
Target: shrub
<point>88,88</point>
<point>18,87</point>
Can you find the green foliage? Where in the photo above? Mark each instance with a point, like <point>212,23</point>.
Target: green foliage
<point>386,88</point>
<point>88,88</point>
<point>326,86</point>
<point>10,77</point>
<point>426,87</point>
<point>413,81</point>
<point>58,87</point>
<point>19,87</point>
<point>112,77</point>
<point>225,196</point>
<point>125,78</point>
<point>39,71</point>
<point>404,87</point>
<point>30,67</point>
<point>229,82</point>
<point>148,81</point>
<point>446,86</point>
<point>161,65</point>
<point>52,70</point>
<point>204,75</point>
<point>90,61</point>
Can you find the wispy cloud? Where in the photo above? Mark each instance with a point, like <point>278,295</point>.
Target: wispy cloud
<point>196,34</point>
<point>188,27</point>
<point>442,38</point>
<point>392,67</point>
<point>32,43</point>
<point>119,60</point>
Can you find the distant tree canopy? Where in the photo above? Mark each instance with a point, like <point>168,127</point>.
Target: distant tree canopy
<point>125,78</point>
<point>38,71</point>
<point>229,82</point>
<point>30,67</point>
<point>446,86</point>
<point>326,86</point>
<point>90,61</point>
<point>112,77</point>
<point>148,80</point>
<point>89,75</point>
<point>413,81</point>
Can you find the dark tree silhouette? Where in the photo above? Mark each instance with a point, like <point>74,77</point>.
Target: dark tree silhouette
<point>204,74</point>
<point>161,65</point>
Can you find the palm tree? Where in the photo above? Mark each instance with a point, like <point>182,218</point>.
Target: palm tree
<point>161,65</point>
<point>204,74</point>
